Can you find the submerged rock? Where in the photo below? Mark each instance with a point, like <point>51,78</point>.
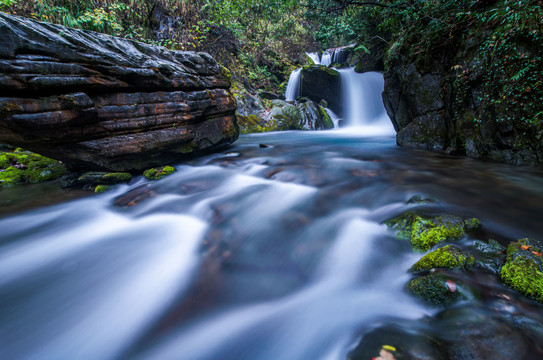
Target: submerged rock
<point>436,289</point>
<point>523,268</point>
<point>425,232</point>
<point>99,102</point>
<point>103,178</point>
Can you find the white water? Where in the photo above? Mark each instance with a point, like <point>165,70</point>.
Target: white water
<point>326,58</point>
<point>315,57</point>
<point>362,101</point>
<point>294,86</point>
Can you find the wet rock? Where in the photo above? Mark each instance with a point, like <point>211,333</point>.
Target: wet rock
<point>523,268</point>
<point>320,82</point>
<point>403,343</point>
<point>284,116</point>
<point>103,178</point>
<point>98,102</point>
<point>436,289</point>
<point>489,256</point>
<point>424,132</point>
<point>449,257</point>
<point>314,117</point>
<point>270,96</point>
<point>425,232</point>
<point>159,173</point>
<point>102,188</point>
<point>22,166</point>
<point>472,333</point>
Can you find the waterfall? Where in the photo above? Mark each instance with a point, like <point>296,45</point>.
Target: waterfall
<point>294,86</point>
<point>362,102</point>
<point>315,57</point>
<point>326,58</point>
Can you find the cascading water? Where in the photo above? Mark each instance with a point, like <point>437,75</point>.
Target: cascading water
<point>326,59</point>
<point>362,102</point>
<point>315,57</point>
<point>294,86</point>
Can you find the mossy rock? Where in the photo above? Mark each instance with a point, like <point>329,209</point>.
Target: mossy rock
<point>523,268</point>
<point>22,166</point>
<point>426,232</point>
<point>102,188</point>
<point>158,173</point>
<point>326,120</point>
<point>435,289</point>
<point>449,257</point>
<point>103,178</point>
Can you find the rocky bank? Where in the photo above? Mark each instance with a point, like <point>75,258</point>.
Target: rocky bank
<point>97,102</point>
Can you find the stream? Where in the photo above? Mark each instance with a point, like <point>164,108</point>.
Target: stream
<point>271,249</point>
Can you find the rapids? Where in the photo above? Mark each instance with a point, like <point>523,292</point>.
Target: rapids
<point>259,252</point>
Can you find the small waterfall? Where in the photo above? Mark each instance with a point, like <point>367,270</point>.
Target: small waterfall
<point>335,119</point>
<point>315,57</point>
<point>326,58</point>
<point>362,102</point>
<point>294,86</point>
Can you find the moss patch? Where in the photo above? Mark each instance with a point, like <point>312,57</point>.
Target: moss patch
<point>326,120</point>
<point>523,268</point>
<point>435,289</point>
<point>102,188</point>
<point>449,257</point>
<point>103,178</point>
<point>426,232</point>
<point>26,167</point>
<point>158,173</point>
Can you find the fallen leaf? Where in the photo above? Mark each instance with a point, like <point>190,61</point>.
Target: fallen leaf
<point>451,285</point>
<point>389,348</point>
<point>525,247</point>
<point>536,253</point>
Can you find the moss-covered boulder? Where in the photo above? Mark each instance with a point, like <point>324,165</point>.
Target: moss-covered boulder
<point>285,116</point>
<point>103,178</point>
<point>449,257</point>
<point>424,232</point>
<point>435,289</point>
<point>159,173</point>
<point>22,166</point>
<point>523,268</point>
<point>102,188</point>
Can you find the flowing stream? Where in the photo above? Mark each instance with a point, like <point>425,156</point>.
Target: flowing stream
<point>272,249</point>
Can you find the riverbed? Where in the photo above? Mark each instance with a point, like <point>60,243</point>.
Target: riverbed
<point>274,248</point>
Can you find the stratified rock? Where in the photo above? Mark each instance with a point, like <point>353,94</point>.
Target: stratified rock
<point>320,82</point>
<point>95,101</point>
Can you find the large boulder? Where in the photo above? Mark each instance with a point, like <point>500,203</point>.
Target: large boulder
<point>320,82</point>
<point>99,102</point>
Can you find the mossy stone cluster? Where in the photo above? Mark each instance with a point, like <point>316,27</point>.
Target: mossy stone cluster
<point>158,173</point>
<point>523,268</point>
<point>22,166</point>
<point>426,232</point>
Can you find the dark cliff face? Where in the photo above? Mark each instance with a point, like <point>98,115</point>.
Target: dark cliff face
<point>475,90</point>
<point>95,101</point>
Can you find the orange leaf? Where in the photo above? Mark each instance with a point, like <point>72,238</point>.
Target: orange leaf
<point>536,253</point>
<point>525,247</point>
<point>451,285</point>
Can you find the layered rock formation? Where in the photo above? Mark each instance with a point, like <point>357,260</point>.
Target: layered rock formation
<point>95,101</point>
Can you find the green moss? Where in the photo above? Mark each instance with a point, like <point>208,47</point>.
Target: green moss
<point>226,73</point>
<point>434,290</point>
<point>449,257</point>
<point>11,175</point>
<point>187,148</point>
<point>158,173</point>
<point>28,167</point>
<point>523,268</point>
<point>326,120</point>
<point>102,188</point>
<point>426,232</point>
<point>115,178</point>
